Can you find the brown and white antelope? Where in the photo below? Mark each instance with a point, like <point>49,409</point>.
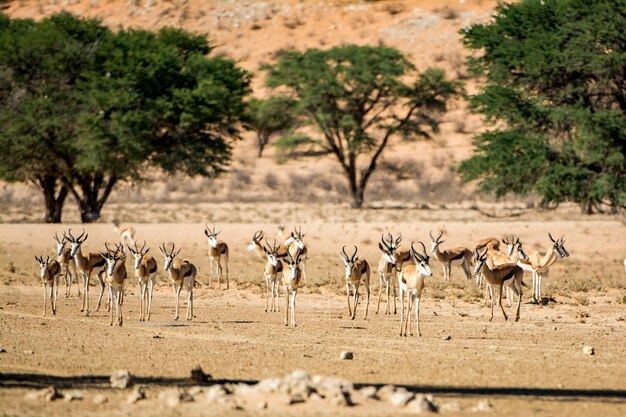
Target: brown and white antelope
<point>539,264</point>
<point>86,265</point>
<point>451,257</point>
<point>115,277</point>
<point>292,276</point>
<point>217,249</point>
<point>497,260</point>
<point>50,270</point>
<point>126,232</point>
<point>145,272</point>
<point>387,270</point>
<point>67,262</point>
<point>493,244</point>
<point>507,274</point>
<point>183,274</point>
<point>256,245</point>
<point>357,273</point>
<point>273,268</point>
<point>295,245</point>
<point>411,283</point>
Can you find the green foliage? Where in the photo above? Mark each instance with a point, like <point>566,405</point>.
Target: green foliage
<point>94,107</point>
<point>555,75</point>
<point>269,117</point>
<point>358,97</point>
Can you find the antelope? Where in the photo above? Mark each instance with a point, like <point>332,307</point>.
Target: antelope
<point>50,270</point>
<point>498,260</point>
<point>387,269</point>
<point>411,283</point>
<point>452,256</point>
<point>539,264</point>
<point>67,261</point>
<point>273,267</point>
<point>291,281</point>
<point>145,272</point>
<point>127,233</point>
<point>507,274</point>
<point>295,245</point>
<point>116,275</point>
<point>357,271</point>
<point>256,244</point>
<point>183,274</point>
<point>216,250</point>
<point>86,265</point>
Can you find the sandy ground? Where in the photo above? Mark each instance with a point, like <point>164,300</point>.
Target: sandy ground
<point>535,366</point>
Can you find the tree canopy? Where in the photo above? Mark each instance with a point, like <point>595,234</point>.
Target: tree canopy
<point>84,107</point>
<point>359,97</point>
<point>555,93</point>
<point>269,117</point>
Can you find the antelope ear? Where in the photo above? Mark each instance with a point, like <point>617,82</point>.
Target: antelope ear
<point>206,232</point>
<point>356,259</point>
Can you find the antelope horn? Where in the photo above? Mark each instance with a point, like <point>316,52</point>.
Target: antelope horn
<point>431,235</point>
<point>424,250</point>
<point>69,232</point>
<point>551,238</point>
<point>354,255</point>
<point>56,237</point>
<point>343,250</point>
<point>440,234</point>
<point>414,251</point>
<point>398,240</point>
<point>81,235</point>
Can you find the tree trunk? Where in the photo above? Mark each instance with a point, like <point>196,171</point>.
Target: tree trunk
<point>54,201</point>
<point>94,191</point>
<point>357,198</point>
<point>262,140</point>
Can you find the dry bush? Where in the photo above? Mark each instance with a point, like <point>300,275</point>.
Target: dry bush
<point>394,8</point>
<point>256,26</point>
<point>404,169</point>
<point>292,22</point>
<point>272,181</point>
<point>239,178</point>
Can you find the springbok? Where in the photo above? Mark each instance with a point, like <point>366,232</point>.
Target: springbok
<point>411,283</point>
<point>507,274</point>
<point>539,264</point>
<point>145,272</point>
<point>50,270</point>
<point>256,245</point>
<point>451,256</point>
<point>291,282</point>
<point>273,268</point>
<point>295,245</point>
<point>357,272</point>
<point>127,233</point>
<point>183,274</point>
<point>116,275</point>
<point>216,250</point>
<point>387,270</point>
<point>66,261</point>
<point>86,265</point>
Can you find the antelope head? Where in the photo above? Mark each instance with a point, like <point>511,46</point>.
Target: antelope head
<point>558,246</point>
<point>43,265</point>
<point>211,234</point>
<point>349,261</point>
<point>76,242</point>
<point>297,237</point>
<point>422,260</point>
<point>293,265</point>
<point>256,240</point>
<point>60,243</point>
<point>520,253</point>
<point>480,256</point>
<point>138,254</point>
<point>389,247</point>
<point>270,251</point>
<point>435,242</point>
<point>168,256</point>
<point>113,256</point>
<point>510,241</point>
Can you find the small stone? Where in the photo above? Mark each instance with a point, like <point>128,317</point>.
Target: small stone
<point>48,394</point>
<point>553,327</point>
<point>346,355</point>
<point>120,379</point>
<point>173,397</point>
<point>447,337</point>
<point>138,394</point>
<point>28,352</point>
<point>401,397</point>
<point>482,406</point>
<point>315,396</point>
<point>368,392</point>
<point>269,385</point>
<point>589,350</point>
<point>423,404</point>
<point>341,398</point>
<point>198,375</point>
<point>73,396</point>
<point>3,350</point>
<point>385,392</point>
<point>450,407</point>
<point>100,399</point>
<point>262,405</point>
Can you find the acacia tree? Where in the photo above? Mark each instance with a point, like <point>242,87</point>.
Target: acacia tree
<point>358,98</point>
<point>269,117</point>
<point>99,107</point>
<point>555,90</point>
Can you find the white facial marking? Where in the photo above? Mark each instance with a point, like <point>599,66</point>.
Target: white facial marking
<point>138,257</point>
<point>110,266</point>
<point>390,258</point>
<point>349,268</point>
<point>213,241</point>
<point>251,247</point>
<point>300,244</point>
<point>75,246</point>
<point>426,269</point>
<point>168,263</point>
<point>60,248</point>
<point>293,268</point>
<point>272,260</point>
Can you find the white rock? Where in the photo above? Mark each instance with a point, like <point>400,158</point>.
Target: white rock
<point>120,379</point>
<point>346,355</point>
<point>385,392</point>
<point>450,407</point>
<point>401,397</point>
<point>269,385</point>
<point>368,392</point>
<point>482,406</point>
<point>423,404</point>
<point>173,397</point>
<point>588,350</point>
<point>73,396</point>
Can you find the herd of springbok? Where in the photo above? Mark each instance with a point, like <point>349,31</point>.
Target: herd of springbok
<point>398,270</point>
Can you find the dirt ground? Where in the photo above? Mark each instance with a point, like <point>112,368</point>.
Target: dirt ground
<point>535,366</point>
